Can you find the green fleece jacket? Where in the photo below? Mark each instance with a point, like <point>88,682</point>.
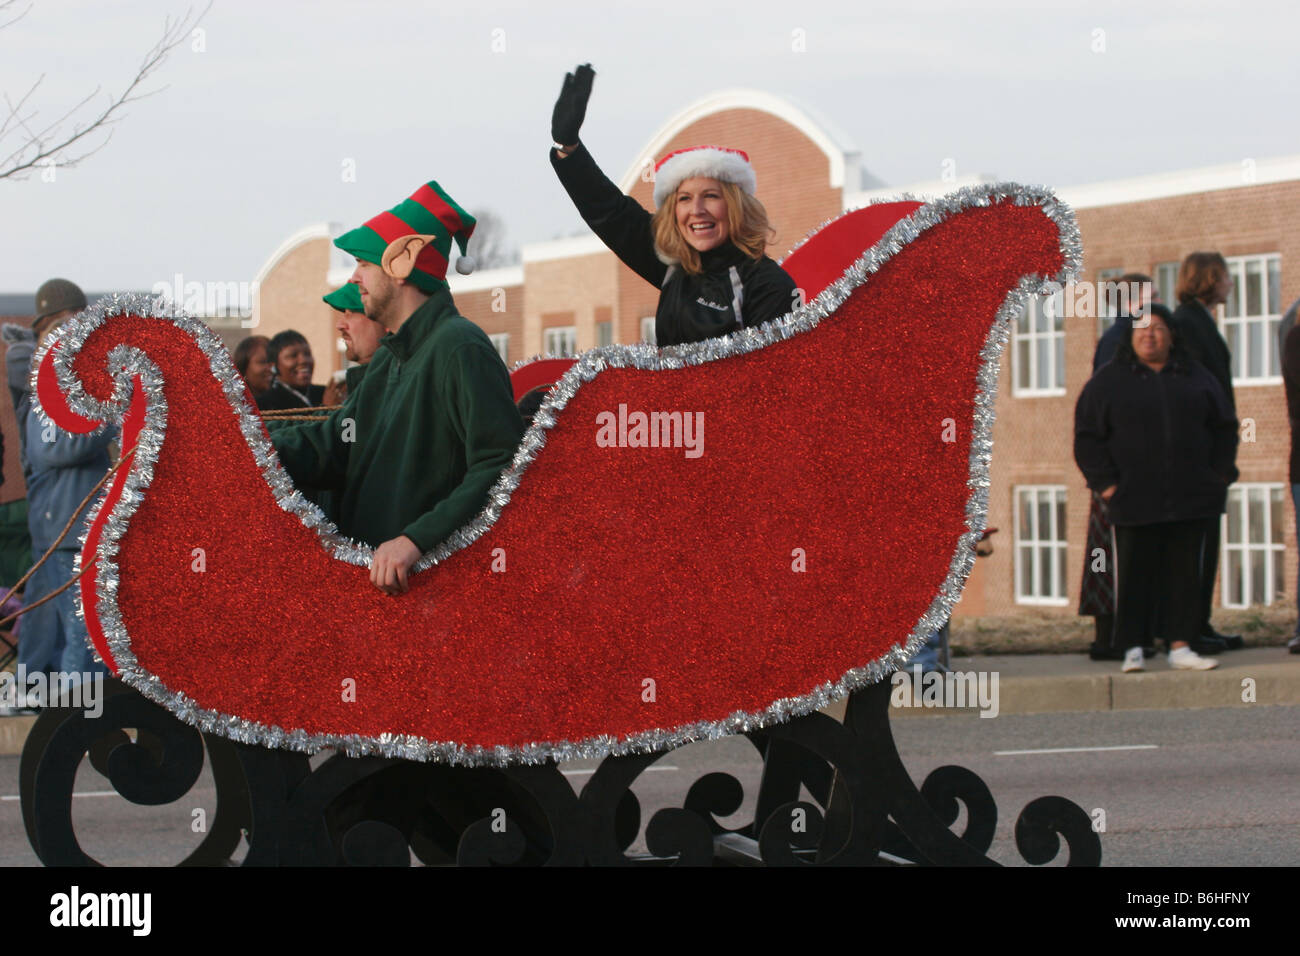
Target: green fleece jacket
<point>428,430</point>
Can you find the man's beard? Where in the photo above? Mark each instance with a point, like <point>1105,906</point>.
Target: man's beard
<point>377,303</point>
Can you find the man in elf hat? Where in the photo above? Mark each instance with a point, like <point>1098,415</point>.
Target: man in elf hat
<point>360,333</point>
<point>433,422</point>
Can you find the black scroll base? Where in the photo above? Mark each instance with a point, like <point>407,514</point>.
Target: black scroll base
<point>376,811</point>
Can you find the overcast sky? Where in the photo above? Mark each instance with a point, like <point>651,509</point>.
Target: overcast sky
<point>247,138</point>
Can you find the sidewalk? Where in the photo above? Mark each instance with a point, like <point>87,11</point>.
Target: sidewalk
<point>1061,683</point>
<point>1058,683</point>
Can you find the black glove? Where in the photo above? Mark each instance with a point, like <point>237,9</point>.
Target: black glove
<point>571,108</point>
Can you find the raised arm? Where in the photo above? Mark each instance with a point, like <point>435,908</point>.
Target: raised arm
<point>619,220</point>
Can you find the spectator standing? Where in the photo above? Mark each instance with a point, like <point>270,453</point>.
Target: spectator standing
<point>1285,325</point>
<point>1135,292</point>
<point>1136,296</point>
<point>1204,283</point>
<point>60,470</point>
<point>1291,381</point>
<point>15,541</point>
<point>1156,438</point>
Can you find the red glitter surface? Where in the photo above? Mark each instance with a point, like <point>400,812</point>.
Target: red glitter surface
<point>622,565</point>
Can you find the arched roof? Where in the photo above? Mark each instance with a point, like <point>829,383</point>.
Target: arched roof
<point>320,230</point>
<point>841,154</point>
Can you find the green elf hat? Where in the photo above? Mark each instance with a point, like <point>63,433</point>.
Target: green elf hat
<point>425,224</point>
<point>346,298</point>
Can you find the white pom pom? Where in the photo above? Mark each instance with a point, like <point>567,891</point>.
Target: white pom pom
<point>465,265</point>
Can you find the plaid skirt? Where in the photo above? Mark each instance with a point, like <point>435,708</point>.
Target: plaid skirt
<point>1097,592</point>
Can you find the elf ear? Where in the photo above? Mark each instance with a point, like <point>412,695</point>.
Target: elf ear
<point>399,258</point>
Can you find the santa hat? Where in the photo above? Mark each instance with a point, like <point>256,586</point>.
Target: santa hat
<point>712,162</point>
<point>428,212</point>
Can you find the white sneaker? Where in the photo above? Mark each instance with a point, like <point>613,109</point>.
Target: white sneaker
<point>1133,661</point>
<point>1186,659</point>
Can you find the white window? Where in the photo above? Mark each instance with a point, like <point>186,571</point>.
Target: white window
<point>1252,564</point>
<point>1040,544</point>
<point>1105,315</point>
<point>501,342</point>
<point>604,333</point>
<point>1166,282</point>
<point>648,329</point>
<point>1251,317</point>
<point>562,342</point>
<point>1038,350</point>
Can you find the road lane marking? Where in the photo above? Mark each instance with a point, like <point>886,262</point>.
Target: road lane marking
<point>79,793</point>
<point>1074,750</point>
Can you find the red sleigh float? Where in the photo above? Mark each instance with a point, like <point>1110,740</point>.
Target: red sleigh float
<point>606,599</point>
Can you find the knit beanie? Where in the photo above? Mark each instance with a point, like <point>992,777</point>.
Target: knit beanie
<point>55,295</point>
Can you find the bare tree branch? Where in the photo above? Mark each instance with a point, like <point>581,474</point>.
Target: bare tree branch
<point>4,12</point>
<point>53,144</point>
<point>490,246</point>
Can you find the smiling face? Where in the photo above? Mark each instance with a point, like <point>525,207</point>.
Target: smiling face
<point>295,364</point>
<point>1152,341</point>
<point>701,210</point>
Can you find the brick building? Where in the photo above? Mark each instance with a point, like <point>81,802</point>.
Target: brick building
<point>573,294</point>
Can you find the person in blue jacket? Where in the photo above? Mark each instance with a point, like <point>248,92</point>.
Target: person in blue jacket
<point>60,470</point>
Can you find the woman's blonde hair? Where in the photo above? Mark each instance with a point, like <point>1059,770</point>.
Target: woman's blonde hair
<point>747,228</point>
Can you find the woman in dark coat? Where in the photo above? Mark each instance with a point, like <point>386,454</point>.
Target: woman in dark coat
<point>703,248</point>
<point>1097,589</point>
<point>1204,283</point>
<point>1156,438</point>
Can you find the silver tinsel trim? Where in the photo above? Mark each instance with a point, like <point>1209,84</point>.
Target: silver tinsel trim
<point>128,362</point>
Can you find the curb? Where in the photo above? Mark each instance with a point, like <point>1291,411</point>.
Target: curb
<point>1244,685</point>
<point>13,734</point>
<point>1262,676</point>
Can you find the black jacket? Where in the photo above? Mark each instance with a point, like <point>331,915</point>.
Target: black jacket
<point>280,397</point>
<point>1110,340</point>
<point>1200,336</point>
<point>1291,384</point>
<point>1167,439</point>
<point>733,292</point>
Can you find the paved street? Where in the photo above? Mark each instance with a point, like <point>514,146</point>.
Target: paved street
<point>1205,787</point>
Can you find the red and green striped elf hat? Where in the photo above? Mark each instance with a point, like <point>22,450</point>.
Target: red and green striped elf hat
<point>428,212</point>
